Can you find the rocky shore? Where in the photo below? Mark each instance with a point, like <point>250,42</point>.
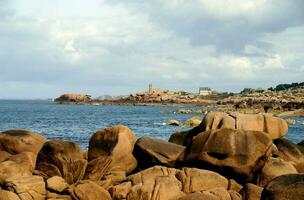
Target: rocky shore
<point>139,99</point>
<point>228,156</point>
<point>281,103</point>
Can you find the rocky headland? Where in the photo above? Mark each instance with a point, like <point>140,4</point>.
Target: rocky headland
<point>228,156</point>
<point>283,102</point>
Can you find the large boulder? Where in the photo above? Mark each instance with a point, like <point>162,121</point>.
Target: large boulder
<point>27,187</point>
<point>61,158</point>
<point>289,151</point>
<point>18,141</point>
<point>231,152</point>
<point>196,180</point>
<point>111,149</point>
<point>8,195</point>
<point>89,190</point>
<point>274,126</point>
<point>163,183</point>
<point>285,187</point>
<point>275,167</point>
<point>155,184</point>
<point>152,151</point>
<point>22,164</point>
<point>56,184</point>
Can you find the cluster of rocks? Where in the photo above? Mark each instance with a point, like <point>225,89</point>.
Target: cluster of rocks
<point>226,157</point>
<point>192,122</point>
<point>168,97</point>
<point>73,99</point>
<point>185,111</point>
<point>146,98</point>
<point>272,101</point>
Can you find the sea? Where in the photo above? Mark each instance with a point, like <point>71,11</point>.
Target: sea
<point>78,122</point>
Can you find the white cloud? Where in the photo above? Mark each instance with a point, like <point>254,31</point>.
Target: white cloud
<point>119,47</point>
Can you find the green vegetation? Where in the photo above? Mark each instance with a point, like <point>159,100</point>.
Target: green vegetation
<point>286,86</point>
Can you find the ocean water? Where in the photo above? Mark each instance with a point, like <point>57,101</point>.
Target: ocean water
<point>79,122</point>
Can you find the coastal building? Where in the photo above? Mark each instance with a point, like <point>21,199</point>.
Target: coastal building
<point>153,90</point>
<point>204,91</point>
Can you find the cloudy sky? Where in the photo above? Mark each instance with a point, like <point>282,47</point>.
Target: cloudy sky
<point>50,47</point>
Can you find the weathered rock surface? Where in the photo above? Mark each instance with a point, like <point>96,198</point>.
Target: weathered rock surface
<point>22,164</point>
<point>111,149</point>
<point>150,184</point>
<point>18,141</point>
<point>155,184</point>
<point>240,152</point>
<point>27,187</point>
<point>8,195</point>
<point>274,126</point>
<point>121,191</point>
<point>168,183</point>
<point>195,180</point>
<point>89,190</point>
<point>252,192</point>
<point>152,151</point>
<point>4,156</point>
<point>55,196</point>
<point>193,121</point>
<point>173,122</point>
<point>275,167</point>
<point>61,158</point>
<point>198,196</point>
<point>235,186</point>
<point>57,184</point>
<point>285,187</point>
<point>213,194</point>
<point>289,151</point>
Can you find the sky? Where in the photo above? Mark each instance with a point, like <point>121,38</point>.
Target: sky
<point>97,47</point>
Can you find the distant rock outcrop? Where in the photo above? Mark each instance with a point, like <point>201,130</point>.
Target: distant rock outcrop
<point>73,98</point>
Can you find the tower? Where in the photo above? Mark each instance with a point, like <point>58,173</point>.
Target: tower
<point>150,88</point>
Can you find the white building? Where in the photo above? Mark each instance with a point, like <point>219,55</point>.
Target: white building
<point>204,91</point>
